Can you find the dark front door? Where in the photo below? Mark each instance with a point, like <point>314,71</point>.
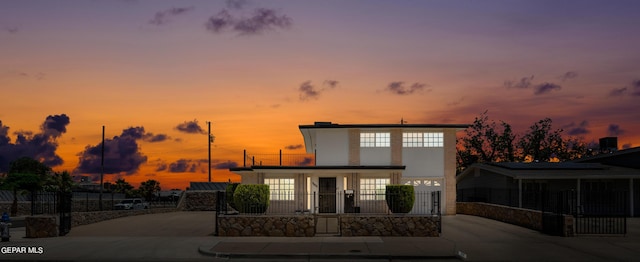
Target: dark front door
<point>327,194</point>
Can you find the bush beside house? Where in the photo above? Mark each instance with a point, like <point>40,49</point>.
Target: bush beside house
<point>251,198</point>
<point>400,198</point>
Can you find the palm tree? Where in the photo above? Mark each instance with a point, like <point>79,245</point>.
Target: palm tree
<point>149,188</point>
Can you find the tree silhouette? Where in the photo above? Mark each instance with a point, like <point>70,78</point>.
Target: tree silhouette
<point>149,188</point>
<point>487,141</point>
<point>25,174</point>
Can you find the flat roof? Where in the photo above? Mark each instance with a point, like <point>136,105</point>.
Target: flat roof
<point>335,125</point>
<point>319,168</point>
<point>561,170</point>
<point>548,166</point>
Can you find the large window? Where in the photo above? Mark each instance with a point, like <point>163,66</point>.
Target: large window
<point>429,139</point>
<point>280,188</point>
<point>373,188</point>
<point>370,139</point>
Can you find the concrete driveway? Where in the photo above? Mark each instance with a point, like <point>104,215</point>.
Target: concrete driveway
<point>174,224</point>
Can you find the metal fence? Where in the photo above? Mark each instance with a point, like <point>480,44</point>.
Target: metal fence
<point>425,203</point>
<point>279,159</point>
<point>594,212</point>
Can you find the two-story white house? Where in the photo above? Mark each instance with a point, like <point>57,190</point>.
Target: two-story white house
<point>354,162</point>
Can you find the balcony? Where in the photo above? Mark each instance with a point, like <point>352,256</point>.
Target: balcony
<point>278,159</point>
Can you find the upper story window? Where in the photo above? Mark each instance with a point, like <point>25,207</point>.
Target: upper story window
<point>371,139</point>
<point>428,139</point>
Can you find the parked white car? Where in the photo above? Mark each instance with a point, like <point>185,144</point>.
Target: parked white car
<point>131,203</point>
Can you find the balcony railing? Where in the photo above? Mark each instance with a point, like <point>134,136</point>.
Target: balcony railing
<point>279,159</point>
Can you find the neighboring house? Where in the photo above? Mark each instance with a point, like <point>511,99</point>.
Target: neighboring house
<point>352,164</point>
<point>611,179</point>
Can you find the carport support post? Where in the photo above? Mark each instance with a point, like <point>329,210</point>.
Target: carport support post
<point>631,194</point>
<point>520,193</point>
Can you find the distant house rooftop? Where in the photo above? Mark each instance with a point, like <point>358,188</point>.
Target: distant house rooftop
<point>208,186</point>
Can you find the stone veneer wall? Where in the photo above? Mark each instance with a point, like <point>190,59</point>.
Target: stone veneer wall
<point>385,225</point>
<point>199,201</point>
<point>518,216</point>
<point>265,225</point>
<point>77,205</point>
<point>84,218</point>
<point>24,208</point>
<point>41,226</point>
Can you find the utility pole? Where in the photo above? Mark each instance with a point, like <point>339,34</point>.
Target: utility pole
<point>209,141</point>
<point>101,170</point>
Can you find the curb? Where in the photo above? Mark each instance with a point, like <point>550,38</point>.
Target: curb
<point>308,256</point>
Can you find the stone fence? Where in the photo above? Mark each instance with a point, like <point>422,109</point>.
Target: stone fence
<point>390,225</point>
<point>198,201</point>
<point>350,225</point>
<point>528,218</point>
<point>261,225</point>
<point>84,218</point>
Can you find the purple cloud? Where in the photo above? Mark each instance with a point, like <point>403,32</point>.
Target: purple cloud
<point>305,162</point>
<point>12,30</point>
<point>183,165</point>
<point>293,147</point>
<point>576,130</point>
<point>546,88</point>
<point>524,83</point>
<point>41,146</point>
<point>399,88</point>
<point>260,21</point>
<point>618,91</point>
<point>190,127</point>
<point>635,86</point>
<point>163,17</point>
<point>220,22</point>
<point>614,130</point>
<point>226,165</point>
<point>569,75</point>
<point>236,4</point>
<point>121,154</point>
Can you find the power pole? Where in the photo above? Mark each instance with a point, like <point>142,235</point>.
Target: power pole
<point>209,141</point>
<point>101,170</point>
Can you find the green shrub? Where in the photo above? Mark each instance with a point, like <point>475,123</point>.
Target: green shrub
<point>251,198</point>
<point>231,188</point>
<point>400,198</point>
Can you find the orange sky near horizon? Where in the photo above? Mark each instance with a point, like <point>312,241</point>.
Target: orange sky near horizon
<point>160,64</point>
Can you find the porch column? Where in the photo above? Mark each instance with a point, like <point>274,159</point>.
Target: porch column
<point>578,200</point>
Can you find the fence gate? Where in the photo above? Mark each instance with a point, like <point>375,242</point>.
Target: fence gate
<point>64,199</point>
<point>554,205</point>
<point>603,212</point>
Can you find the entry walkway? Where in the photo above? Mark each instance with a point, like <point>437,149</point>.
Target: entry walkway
<point>186,236</point>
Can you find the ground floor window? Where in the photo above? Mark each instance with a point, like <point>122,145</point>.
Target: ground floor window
<point>280,188</point>
<point>373,188</point>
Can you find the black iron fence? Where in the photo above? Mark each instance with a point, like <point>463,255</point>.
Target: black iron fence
<point>594,212</point>
<point>54,203</point>
<point>353,201</point>
<point>279,159</point>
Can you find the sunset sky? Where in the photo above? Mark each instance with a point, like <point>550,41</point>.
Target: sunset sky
<point>154,72</point>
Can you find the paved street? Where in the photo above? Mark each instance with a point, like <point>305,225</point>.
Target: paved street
<point>187,236</point>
